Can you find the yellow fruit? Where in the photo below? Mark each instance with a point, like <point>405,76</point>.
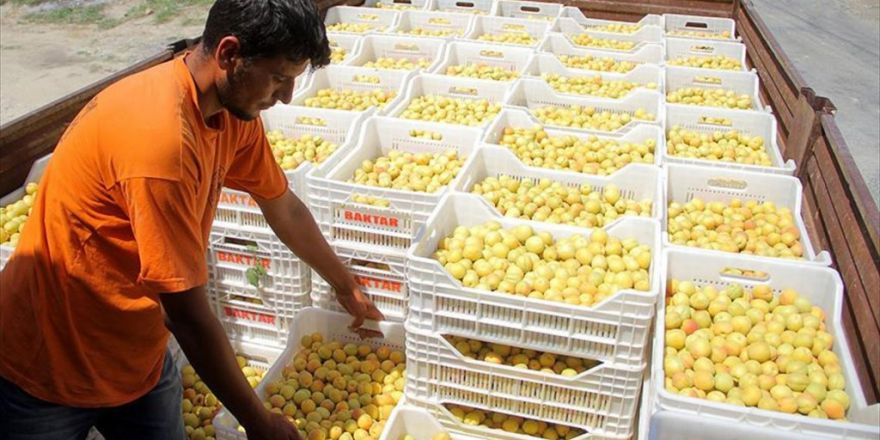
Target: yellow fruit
<point>735,227</point>
<point>710,35</point>
<point>398,63</point>
<point>482,71</point>
<point>421,172</point>
<point>592,85</point>
<point>588,117</point>
<point>727,146</point>
<point>710,98</point>
<point>451,110</point>
<point>355,28</point>
<point>717,62</point>
<point>588,40</point>
<point>350,100</point>
<point>591,155</point>
<point>600,64</point>
<point>518,38</point>
<point>290,153</point>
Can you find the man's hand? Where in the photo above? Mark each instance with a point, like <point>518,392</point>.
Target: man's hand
<point>274,427</point>
<point>360,308</point>
<point>294,225</point>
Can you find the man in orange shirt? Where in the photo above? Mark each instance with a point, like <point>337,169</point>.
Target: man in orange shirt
<point>114,250</point>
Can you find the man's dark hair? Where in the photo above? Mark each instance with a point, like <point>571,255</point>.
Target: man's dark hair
<point>269,28</point>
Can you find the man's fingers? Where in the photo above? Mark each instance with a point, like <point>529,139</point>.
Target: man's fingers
<point>374,313</point>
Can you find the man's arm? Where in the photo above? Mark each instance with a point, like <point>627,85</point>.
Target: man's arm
<point>204,342</point>
<point>294,225</point>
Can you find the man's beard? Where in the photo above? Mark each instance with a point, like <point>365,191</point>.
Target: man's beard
<point>226,97</point>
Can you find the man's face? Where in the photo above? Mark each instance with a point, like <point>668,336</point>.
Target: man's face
<point>255,85</point>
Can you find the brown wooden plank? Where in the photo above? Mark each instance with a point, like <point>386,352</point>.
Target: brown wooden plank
<point>855,183</point>
<point>860,319</point>
<point>594,8</point>
<point>811,214</point>
<point>854,258</point>
<point>804,131</point>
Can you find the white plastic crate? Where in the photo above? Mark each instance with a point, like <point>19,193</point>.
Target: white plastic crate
<point>753,123</point>
<point>379,20</point>
<point>683,48</point>
<point>351,78</point>
<point>238,210</point>
<point>579,17</point>
<point>461,430</point>
<point>520,118</point>
<point>350,42</point>
<point>460,53</point>
<point>380,275</point>
<point>529,10</point>
<point>390,229</point>
<point>743,83</point>
<point>699,27</point>
<point>557,44</point>
<point>398,47</point>
<point>453,87</point>
<point>409,420</point>
<point>533,93</point>
<point>643,74</point>
<point>489,25</point>
<point>613,331</point>
<point>458,25</point>
<point>475,7</point>
<point>686,182</point>
<point>601,400</point>
<point>638,182</point>
<point>33,176</point>
<point>824,288</point>
<point>397,4</point>
<point>251,306</point>
<point>334,327</point>
<point>260,357</point>
<point>645,35</point>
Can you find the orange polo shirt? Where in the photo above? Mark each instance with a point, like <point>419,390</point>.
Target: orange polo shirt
<point>123,213</point>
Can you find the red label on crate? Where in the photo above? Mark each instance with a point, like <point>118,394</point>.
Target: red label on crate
<point>250,316</point>
<point>371,219</point>
<point>375,283</point>
<point>237,199</point>
<point>245,260</point>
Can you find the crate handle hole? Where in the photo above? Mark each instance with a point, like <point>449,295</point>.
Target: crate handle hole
<point>530,9</point>
<point>406,47</point>
<point>458,90</point>
<point>727,183</point>
<point>702,48</point>
<point>736,273</point>
<point>402,2</point>
<point>696,25</point>
<point>713,80</point>
<point>491,53</point>
<point>464,4</point>
<point>250,244</point>
<point>708,120</point>
<point>370,264</point>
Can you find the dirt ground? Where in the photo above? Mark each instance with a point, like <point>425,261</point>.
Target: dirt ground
<point>41,62</point>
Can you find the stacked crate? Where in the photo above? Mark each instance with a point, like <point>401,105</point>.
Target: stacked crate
<point>613,333</point>
<point>256,284</point>
<point>371,227</point>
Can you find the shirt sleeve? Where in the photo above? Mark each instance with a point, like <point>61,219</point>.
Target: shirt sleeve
<point>166,223</point>
<point>254,169</point>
